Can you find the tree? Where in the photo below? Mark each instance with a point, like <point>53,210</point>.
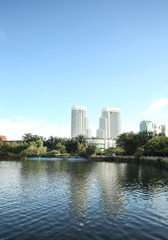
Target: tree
<point>71,145</point>
<point>39,143</point>
<point>81,139</point>
<point>109,150</point>
<point>99,151</point>
<point>28,137</point>
<point>121,140</point>
<point>6,147</point>
<point>1,142</point>
<point>51,143</point>
<point>90,150</point>
<point>53,153</point>
<point>60,148</point>
<point>129,142</point>
<point>144,137</point>
<point>158,146</point>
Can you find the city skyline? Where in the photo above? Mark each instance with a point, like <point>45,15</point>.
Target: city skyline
<point>96,53</point>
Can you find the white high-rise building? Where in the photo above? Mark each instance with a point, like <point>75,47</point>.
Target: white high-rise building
<point>110,123</point>
<point>149,126</point>
<point>164,129</point>
<point>146,125</point>
<point>79,121</point>
<point>102,131</point>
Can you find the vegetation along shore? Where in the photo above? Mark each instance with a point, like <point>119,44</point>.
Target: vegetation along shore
<point>143,147</point>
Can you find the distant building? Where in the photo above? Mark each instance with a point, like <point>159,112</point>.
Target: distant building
<point>103,143</point>
<point>164,129</point>
<point>79,121</point>
<point>102,131</point>
<point>3,138</point>
<point>149,126</point>
<point>109,123</point>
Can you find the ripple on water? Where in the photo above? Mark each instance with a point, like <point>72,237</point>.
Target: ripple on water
<point>82,200</point>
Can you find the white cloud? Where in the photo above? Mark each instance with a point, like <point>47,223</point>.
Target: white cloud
<point>14,128</point>
<point>157,106</point>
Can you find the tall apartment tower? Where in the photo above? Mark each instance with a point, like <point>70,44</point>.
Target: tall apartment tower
<point>109,123</point>
<point>79,121</point>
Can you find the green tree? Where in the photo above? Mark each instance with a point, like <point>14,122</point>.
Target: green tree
<point>99,151</point>
<point>53,153</point>
<point>110,150</point>
<point>1,143</point>
<point>144,137</point>
<point>90,149</point>
<point>6,147</point>
<point>61,148</point>
<point>129,142</point>
<point>39,143</point>
<point>71,145</point>
<point>52,142</point>
<point>158,146</point>
<point>28,137</point>
<point>81,139</point>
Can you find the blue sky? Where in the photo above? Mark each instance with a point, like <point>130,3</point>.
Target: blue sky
<point>55,54</point>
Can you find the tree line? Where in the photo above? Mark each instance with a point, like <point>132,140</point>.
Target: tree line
<point>137,144</point>
<point>34,145</point>
<point>143,144</point>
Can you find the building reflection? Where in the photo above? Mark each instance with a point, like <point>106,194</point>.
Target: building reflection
<point>112,197</point>
<point>79,189</point>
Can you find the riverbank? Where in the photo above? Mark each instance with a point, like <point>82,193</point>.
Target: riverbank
<point>8,158</point>
<point>154,161</point>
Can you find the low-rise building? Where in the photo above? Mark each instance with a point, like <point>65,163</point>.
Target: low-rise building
<point>3,138</point>
<point>102,143</point>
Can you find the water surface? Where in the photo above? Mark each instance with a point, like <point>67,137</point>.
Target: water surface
<point>82,200</point>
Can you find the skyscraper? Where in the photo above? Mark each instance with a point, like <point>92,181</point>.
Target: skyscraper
<point>110,123</point>
<point>79,121</point>
<point>102,131</point>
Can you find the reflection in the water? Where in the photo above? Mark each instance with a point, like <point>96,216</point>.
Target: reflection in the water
<point>85,200</point>
<point>79,190</point>
<point>112,195</point>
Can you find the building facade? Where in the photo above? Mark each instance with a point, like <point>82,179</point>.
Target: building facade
<point>164,129</point>
<point>149,126</point>
<point>103,143</point>
<point>3,138</point>
<point>109,123</point>
<point>79,121</point>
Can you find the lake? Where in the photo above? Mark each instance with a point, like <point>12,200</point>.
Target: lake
<point>77,199</point>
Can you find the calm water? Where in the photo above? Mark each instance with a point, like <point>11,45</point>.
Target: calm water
<point>82,200</point>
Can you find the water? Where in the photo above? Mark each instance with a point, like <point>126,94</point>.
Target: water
<point>81,200</point>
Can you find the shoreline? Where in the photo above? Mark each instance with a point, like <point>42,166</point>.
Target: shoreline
<point>151,161</point>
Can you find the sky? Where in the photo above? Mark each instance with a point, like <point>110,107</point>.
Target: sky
<point>94,53</point>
